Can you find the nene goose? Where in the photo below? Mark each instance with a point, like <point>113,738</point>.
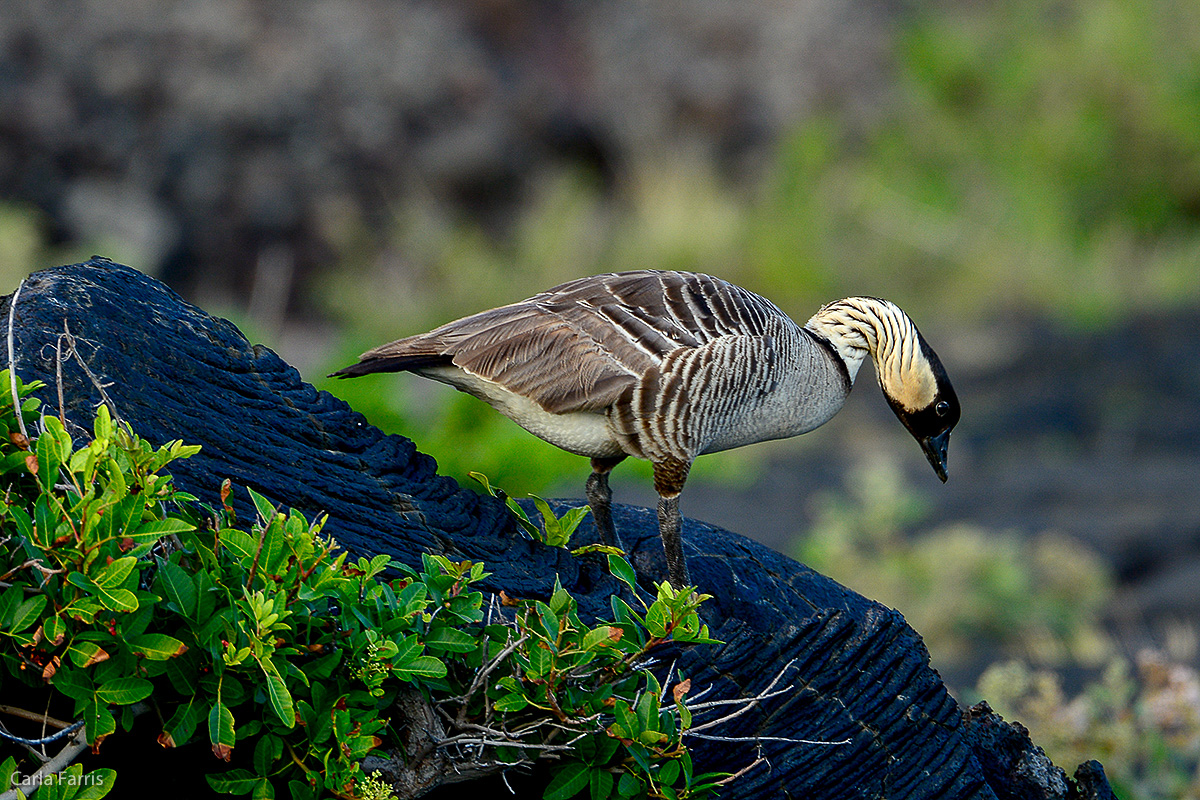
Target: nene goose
<point>667,366</point>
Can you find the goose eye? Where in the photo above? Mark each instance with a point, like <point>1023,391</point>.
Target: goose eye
<point>942,408</point>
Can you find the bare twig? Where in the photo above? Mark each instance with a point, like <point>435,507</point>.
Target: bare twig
<point>72,351</point>
<point>756,739</point>
<point>54,737</point>
<point>749,702</point>
<point>464,739</point>
<point>482,674</point>
<point>52,767</point>
<point>12,365</point>
<point>731,778</point>
<point>737,701</point>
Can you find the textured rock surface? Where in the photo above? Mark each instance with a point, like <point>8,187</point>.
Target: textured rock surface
<point>858,671</point>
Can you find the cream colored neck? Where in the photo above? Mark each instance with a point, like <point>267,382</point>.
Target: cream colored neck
<point>862,326</point>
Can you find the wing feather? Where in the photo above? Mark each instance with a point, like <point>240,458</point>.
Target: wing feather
<point>581,345</point>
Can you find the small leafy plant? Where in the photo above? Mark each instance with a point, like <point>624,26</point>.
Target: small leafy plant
<point>292,662</point>
<point>555,531</point>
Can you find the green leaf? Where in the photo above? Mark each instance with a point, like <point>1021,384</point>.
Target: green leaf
<point>14,462</point>
<point>550,621</point>
<point>629,785</point>
<point>567,782</point>
<point>540,660</point>
<point>179,587</point>
<point>182,724</point>
<point>278,694</point>
<point>422,667</point>
<point>264,507</point>
<point>96,784</point>
<point>407,649</point>
<point>657,618</point>
<point>112,599</point>
<point>156,646</point>
<point>117,599</point>
<point>570,521</point>
<point>53,449</point>
<point>511,702</point>
<point>263,790</point>
<point>220,730</point>
<point>668,773</point>
<point>84,654</point>
<point>594,638</point>
<point>102,425</point>
<point>27,613</point>
<point>298,790</point>
<point>600,782</point>
<point>623,571</point>
<point>239,542</point>
<point>74,683</point>
<point>123,691</point>
<point>98,721</point>
<point>9,600</point>
<point>236,781</point>
<point>266,752</point>
<point>114,574</point>
<point>554,534</point>
<point>450,639</point>
<point>271,555</point>
<point>153,530</point>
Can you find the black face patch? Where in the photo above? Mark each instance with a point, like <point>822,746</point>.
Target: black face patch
<point>943,412</point>
<point>935,419</point>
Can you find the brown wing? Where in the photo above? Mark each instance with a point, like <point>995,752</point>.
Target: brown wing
<point>578,346</point>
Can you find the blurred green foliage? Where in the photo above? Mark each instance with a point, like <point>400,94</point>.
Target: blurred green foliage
<point>21,243</point>
<point>972,593</point>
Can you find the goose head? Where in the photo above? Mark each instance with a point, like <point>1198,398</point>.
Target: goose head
<point>920,394</point>
<point>910,374</point>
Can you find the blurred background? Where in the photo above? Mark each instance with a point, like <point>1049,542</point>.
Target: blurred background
<point>1022,176</point>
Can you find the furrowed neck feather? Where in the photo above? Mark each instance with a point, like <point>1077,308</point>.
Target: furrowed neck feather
<point>862,326</point>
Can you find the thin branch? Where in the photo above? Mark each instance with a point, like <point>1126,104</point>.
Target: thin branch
<point>54,737</point>
<point>58,378</point>
<point>742,771</point>
<point>485,671</point>
<point>737,701</point>
<point>749,703</point>
<point>52,767</point>
<point>72,351</point>
<point>33,716</point>
<point>710,738</point>
<point>12,365</point>
<point>463,739</point>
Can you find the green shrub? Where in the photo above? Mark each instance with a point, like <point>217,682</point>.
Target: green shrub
<point>121,593</point>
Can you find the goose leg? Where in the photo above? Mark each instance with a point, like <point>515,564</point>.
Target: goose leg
<point>669,477</point>
<point>599,498</point>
